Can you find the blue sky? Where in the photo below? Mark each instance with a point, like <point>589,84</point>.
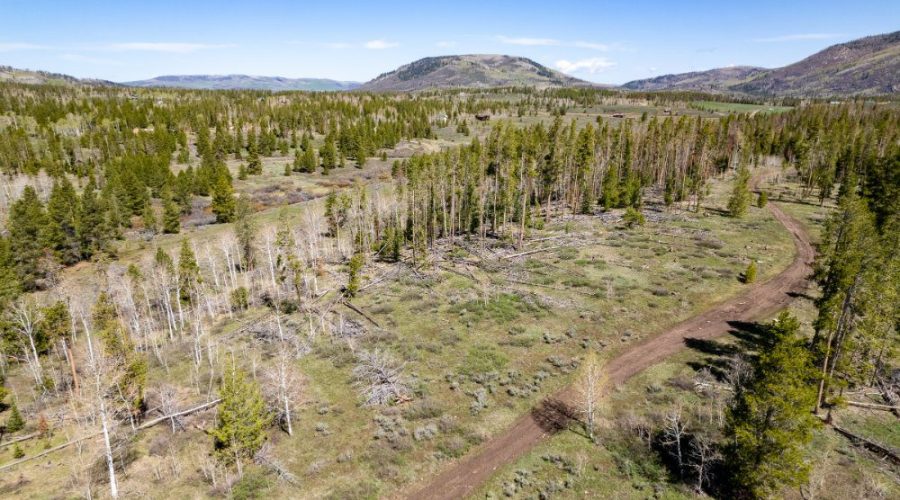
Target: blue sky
<point>601,41</point>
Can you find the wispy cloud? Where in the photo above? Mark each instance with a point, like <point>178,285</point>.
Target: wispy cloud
<point>81,58</point>
<point>798,37</point>
<point>380,44</point>
<point>593,46</point>
<point>446,44</point>
<point>527,41</point>
<point>553,42</point>
<point>15,46</point>
<point>167,47</point>
<point>591,65</point>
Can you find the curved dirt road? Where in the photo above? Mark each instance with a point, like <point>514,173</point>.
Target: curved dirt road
<point>766,298</point>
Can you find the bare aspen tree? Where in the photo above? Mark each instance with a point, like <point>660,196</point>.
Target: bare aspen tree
<point>24,321</point>
<point>97,366</point>
<point>283,388</point>
<point>589,386</point>
<point>703,453</point>
<point>674,431</point>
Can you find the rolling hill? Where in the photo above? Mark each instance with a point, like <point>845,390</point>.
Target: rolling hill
<point>867,66</point>
<point>223,82</point>
<point>713,80</point>
<point>475,70</point>
<point>10,74</point>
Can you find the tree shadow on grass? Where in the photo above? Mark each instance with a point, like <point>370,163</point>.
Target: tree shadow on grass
<point>750,336</point>
<point>553,415</point>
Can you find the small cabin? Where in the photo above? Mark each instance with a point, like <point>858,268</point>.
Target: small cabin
<point>482,117</point>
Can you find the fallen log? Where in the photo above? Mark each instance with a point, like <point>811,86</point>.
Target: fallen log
<point>531,252</point>
<point>360,312</point>
<point>873,406</point>
<point>20,439</point>
<point>143,426</point>
<point>870,445</point>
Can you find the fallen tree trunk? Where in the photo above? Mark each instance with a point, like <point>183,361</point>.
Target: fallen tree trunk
<point>530,252</point>
<point>360,312</point>
<point>870,445</point>
<point>143,426</point>
<point>873,406</point>
<point>20,439</point>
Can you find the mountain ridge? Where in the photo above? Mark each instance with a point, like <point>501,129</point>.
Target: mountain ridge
<point>864,66</point>
<point>241,81</point>
<point>470,70</point>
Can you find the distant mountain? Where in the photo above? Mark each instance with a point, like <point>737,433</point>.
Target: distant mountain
<point>10,74</point>
<point>867,66</point>
<point>221,82</point>
<point>476,70</point>
<point>714,80</point>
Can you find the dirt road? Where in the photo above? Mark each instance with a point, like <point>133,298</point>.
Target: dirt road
<point>760,300</point>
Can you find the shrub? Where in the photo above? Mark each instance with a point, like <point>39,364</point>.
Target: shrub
<point>633,217</point>
<point>17,451</point>
<point>762,200</point>
<point>240,299</point>
<point>750,273</point>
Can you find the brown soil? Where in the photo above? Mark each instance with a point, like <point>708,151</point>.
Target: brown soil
<point>463,477</point>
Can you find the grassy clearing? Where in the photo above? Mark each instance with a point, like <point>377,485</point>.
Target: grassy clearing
<point>737,107</point>
<point>621,466</point>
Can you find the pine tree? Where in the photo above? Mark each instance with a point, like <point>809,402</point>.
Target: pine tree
<point>245,232</point>
<point>27,220</point>
<point>92,228</point>
<point>328,156</point>
<point>188,270</point>
<point>241,430</point>
<point>762,200</point>
<point>769,423</point>
<point>171,215</point>
<point>308,161</point>
<point>740,194</point>
<point>15,422</point>
<point>223,203</point>
<point>130,368</point>
<point>61,232</point>
<point>354,269</point>
<point>148,216</point>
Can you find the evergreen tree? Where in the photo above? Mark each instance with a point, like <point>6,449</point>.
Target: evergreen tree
<point>148,216</point>
<point>188,270</point>
<point>308,161</point>
<point>92,228</point>
<point>245,232</point>
<point>61,232</point>
<point>223,200</point>
<point>27,220</point>
<point>740,194</point>
<point>353,272</point>
<point>328,156</point>
<point>15,422</point>
<point>769,422</point>
<point>762,200</point>
<point>241,429</point>
<point>171,215</point>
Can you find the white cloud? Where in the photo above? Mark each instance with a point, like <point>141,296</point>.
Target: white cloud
<point>89,60</point>
<point>446,44</point>
<point>380,44</point>
<point>530,42</point>
<point>591,65</point>
<point>14,46</point>
<point>798,37</point>
<point>168,47</point>
<point>593,46</point>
